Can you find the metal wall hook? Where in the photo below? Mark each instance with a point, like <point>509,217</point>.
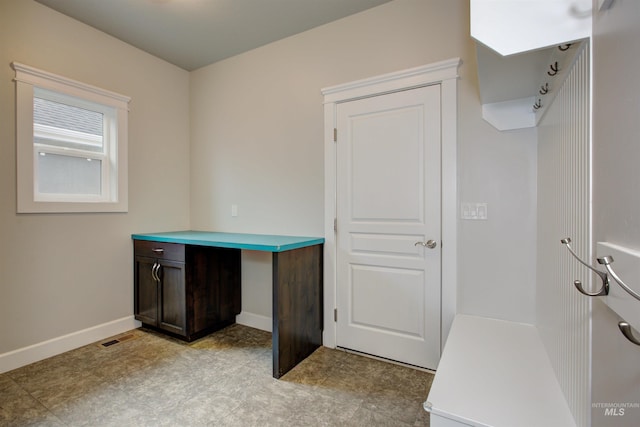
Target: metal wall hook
<point>606,261</point>
<point>544,89</point>
<point>537,105</point>
<point>564,47</point>
<point>602,292</point>
<point>578,284</point>
<point>554,69</point>
<point>625,328</point>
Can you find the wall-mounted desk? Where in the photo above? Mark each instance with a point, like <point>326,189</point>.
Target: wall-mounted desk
<point>201,271</point>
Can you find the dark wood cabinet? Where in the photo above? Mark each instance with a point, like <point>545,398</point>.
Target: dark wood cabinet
<point>184,290</point>
<point>160,286</point>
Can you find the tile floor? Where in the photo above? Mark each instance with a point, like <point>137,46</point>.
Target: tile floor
<point>223,379</point>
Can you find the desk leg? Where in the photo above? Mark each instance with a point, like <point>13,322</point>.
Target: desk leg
<point>297,306</point>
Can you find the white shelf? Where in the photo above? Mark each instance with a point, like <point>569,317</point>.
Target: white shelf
<point>517,41</point>
<point>517,26</point>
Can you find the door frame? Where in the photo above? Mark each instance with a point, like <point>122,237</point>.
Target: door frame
<point>444,73</point>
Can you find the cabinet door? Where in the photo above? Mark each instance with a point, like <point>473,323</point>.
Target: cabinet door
<point>145,291</point>
<point>172,299</point>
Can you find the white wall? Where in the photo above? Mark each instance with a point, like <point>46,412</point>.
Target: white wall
<point>616,199</point>
<point>497,257</point>
<point>256,141</point>
<point>63,273</point>
<point>255,126</point>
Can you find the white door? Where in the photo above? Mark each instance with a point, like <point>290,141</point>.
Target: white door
<point>388,226</point>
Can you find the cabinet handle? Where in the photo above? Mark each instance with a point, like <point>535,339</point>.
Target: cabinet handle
<point>158,250</point>
<point>154,271</point>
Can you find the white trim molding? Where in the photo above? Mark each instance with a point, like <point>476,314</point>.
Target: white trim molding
<point>392,82</point>
<point>40,78</point>
<point>114,189</point>
<point>36,352</point>
<point>264,323</point>
<point>444,73</point>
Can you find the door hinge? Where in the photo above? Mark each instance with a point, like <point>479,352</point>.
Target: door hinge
<point>335,134</point>
<point>335,314</point>
<point>335,225</point>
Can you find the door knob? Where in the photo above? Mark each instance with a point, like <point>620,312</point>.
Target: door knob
<point>428,244</point>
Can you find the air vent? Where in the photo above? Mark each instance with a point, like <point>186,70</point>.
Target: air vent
<point>117,340</point>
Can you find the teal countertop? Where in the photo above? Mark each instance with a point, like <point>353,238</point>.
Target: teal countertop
<point>254,242</point>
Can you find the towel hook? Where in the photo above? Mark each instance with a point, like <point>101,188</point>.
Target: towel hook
<point>578,284</point>
<point>544,89</point>
<point>606,261</point>
<point>564,47</point>
<point>602,292</point>
<point>553,67</point>
<point>537,105</point>
<point>625,328</point>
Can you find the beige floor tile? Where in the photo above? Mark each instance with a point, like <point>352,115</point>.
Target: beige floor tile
<point>223,379</point>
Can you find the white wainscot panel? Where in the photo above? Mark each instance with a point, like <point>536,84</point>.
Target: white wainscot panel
<point>626,265</point>
<point>388,299</point>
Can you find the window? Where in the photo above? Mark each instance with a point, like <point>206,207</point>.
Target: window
<point>71,145</point>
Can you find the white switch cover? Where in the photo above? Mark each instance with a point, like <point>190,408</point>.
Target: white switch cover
<point>473,211</point>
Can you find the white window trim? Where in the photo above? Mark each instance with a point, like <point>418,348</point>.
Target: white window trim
<point>26,79</point>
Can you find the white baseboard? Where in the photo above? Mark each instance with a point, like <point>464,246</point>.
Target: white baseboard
<point>257,321</point>
<point>33,353</point>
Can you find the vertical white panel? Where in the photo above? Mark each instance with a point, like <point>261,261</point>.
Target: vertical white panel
<point>564,210</point>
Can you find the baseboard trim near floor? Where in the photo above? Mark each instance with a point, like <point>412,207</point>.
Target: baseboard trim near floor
<point>257,321</point>
<point>36,352</point>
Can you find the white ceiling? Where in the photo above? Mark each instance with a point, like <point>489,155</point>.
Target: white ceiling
<point>195,33</point>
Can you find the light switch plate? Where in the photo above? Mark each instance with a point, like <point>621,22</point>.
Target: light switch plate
<point>473,211</point>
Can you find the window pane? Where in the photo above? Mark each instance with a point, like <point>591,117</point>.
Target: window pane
<point>67,126</point>
<point>59,174</point>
